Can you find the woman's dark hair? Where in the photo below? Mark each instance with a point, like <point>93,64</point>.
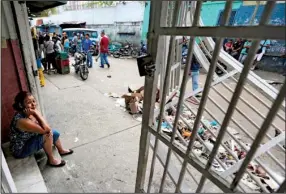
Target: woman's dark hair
<point>19,100</point>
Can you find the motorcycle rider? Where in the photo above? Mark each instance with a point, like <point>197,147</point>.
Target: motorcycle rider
<point>74,42</point>
<point>87,43</point>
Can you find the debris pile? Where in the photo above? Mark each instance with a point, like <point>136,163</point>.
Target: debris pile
<point>132,101</point>
<point>228,154</point>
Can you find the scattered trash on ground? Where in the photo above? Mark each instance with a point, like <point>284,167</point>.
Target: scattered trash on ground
<point>113,95</point>
<point>109,76</point>
<point>204,144</point>
<point>75,139</point>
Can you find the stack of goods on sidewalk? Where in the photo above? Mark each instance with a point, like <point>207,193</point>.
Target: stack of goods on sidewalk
<point>229,153</point>
<point>63,63</point>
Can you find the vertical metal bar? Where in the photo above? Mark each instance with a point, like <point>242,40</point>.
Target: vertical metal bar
<point>206,86</point>
<point>251,22</point>
<point>6,176</point>
<point>169,63</point>
<point>163,100</point>
<point>237,92</point>
<point>282,188</point>
<point>271,114</point>
<point>150,88</point>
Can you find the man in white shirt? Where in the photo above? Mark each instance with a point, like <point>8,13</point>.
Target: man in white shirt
<point>74,41</point>
<point>264,44</point>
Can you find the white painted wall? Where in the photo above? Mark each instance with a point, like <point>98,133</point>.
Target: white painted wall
<point>130,12</point>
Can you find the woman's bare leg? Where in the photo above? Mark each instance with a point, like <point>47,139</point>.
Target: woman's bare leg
<point>60,148</point>
<point>48,142</point>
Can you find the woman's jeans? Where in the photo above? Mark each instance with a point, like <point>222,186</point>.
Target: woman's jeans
<point>242,58</point>
<point>89,59</point>
<point>195,79</point>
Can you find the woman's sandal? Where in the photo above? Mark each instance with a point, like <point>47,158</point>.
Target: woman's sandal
<point>57,165</point>
<point>68,153</point>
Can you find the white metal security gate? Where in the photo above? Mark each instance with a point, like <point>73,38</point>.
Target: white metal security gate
<point>167,70</point>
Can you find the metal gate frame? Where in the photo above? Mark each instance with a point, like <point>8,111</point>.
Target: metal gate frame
<point>155,43</point>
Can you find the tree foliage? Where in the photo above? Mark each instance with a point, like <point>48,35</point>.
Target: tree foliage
<point>48,12</point>
<point>92,4</point>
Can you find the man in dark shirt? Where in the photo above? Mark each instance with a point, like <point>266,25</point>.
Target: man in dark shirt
<point>41,44</point>
<point>104,42</point>
<point>237,47</point>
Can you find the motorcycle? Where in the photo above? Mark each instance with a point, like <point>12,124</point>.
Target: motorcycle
<point>72,49</point>
<point>80,65</point>
<point>94,49</point>
<point>184,55</point>
<point>143,49</point>
<point>126,51</point>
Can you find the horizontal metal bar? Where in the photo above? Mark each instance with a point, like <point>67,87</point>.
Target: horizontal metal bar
<point>265,31</point>
<point>221,183</point>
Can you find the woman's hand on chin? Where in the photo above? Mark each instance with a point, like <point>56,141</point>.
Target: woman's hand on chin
<point>28,112</point>
<point>37,112</point>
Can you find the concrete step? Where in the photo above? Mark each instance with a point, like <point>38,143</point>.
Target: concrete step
<point>25,172</point>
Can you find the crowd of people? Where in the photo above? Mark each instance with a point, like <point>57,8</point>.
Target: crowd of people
<point>239,49</point>
<point>46,48</point>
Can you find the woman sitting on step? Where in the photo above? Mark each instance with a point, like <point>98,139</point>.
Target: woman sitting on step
<point>30,132</point>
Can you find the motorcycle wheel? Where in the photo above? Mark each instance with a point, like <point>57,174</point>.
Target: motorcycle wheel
<point>134,54</point>
<point>220,72</point>
<point>76,69</point>
<point>83,72</point>
<point>116,54</point>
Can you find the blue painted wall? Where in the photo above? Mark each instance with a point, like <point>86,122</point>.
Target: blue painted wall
<point>211,10</point>
<point>243,16</point>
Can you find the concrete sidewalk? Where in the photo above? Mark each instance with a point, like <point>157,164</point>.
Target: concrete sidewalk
<point>105,139</point>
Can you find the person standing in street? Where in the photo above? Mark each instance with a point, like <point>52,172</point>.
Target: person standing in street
<point>194,74</point>
<point>50,50</point>
<point>244,51</point>
<point>79,43</point>
<point>87,43</point>
<point>41,44</point>
<point>75,42</point>
<point>264,44</point>
<point>104,42</point>
<point>66,44</point>
<point>237,47</point>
